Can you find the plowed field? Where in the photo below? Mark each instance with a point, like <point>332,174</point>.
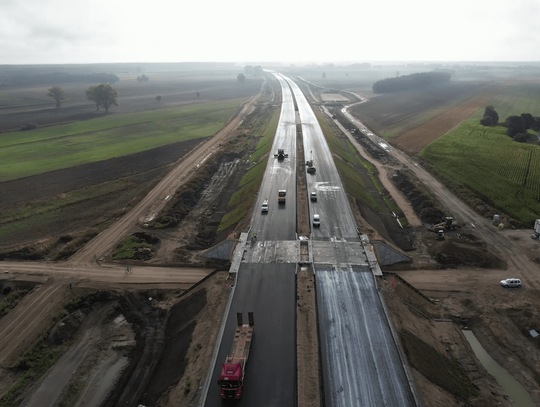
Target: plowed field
<point>415,140</point>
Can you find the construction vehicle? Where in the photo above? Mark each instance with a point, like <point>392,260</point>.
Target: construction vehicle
<point>447,224</point>
<point>281,154</point>
<point>233,370</point>
<point>310,167</point>
<point>281,196</point>
<point>536,234</point>
<point>309,163</point>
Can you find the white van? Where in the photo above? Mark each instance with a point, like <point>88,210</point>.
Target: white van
<point>511,282</point>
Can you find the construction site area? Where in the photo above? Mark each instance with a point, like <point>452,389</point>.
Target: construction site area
<point>80,326</point>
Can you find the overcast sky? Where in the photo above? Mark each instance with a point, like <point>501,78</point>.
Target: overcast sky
<point>91,31</point>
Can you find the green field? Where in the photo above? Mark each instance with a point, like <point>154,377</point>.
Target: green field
<point>484,159</point>
<point>47,149</point>
<point>501,171</point>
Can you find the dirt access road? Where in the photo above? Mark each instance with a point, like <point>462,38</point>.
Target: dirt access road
<point>150,205</point>
<point>59,283</point>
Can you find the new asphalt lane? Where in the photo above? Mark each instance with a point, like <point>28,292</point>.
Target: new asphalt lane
<point>360,361</point>
<point>269,291</point>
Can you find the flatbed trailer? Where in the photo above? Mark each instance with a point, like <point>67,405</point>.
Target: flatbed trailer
<point>231,380</point>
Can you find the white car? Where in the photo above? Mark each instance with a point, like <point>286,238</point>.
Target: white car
<point>264,207</point>
<point>511,282</point>
<point>316,220</point>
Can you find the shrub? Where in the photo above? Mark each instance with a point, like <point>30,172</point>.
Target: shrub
<point>29,126</point>
<point>521,137</point>
<point>486,121</point>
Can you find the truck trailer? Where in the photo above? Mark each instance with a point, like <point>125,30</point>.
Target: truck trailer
<point>231,380</point>
<point>281,196</point>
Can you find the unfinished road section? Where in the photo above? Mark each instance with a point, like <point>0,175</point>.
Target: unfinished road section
<point>361,361</point>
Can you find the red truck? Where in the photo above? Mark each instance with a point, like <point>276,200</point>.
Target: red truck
<point>233,370</point>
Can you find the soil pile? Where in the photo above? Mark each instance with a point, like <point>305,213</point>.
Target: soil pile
<point>422,204</point>
<point>455,252</point>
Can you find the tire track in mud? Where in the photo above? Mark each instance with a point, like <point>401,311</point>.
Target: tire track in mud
<point>511,298</point>
<point>191,225</point>
<point>149,325</point>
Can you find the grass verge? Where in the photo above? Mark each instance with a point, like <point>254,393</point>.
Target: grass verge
<point>267,139</point>
<point>359,176</point>
<point>242,199</point>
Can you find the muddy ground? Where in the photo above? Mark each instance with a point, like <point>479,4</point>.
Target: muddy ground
<point>151,339</point>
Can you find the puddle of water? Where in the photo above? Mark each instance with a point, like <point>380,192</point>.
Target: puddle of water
<point>106,382</point>
<point>511,386</point>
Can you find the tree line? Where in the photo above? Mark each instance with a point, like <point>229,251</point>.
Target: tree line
<point>59,77</point>
<point>410,82</point>
<point>516,126</point>
<point>103,95</point>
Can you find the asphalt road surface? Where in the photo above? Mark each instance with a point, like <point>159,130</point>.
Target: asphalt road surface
<point>269,291</point>
<point>332,205</point>
<point>360,360</point>
<point>361,363</point>
<point>279,223</point>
